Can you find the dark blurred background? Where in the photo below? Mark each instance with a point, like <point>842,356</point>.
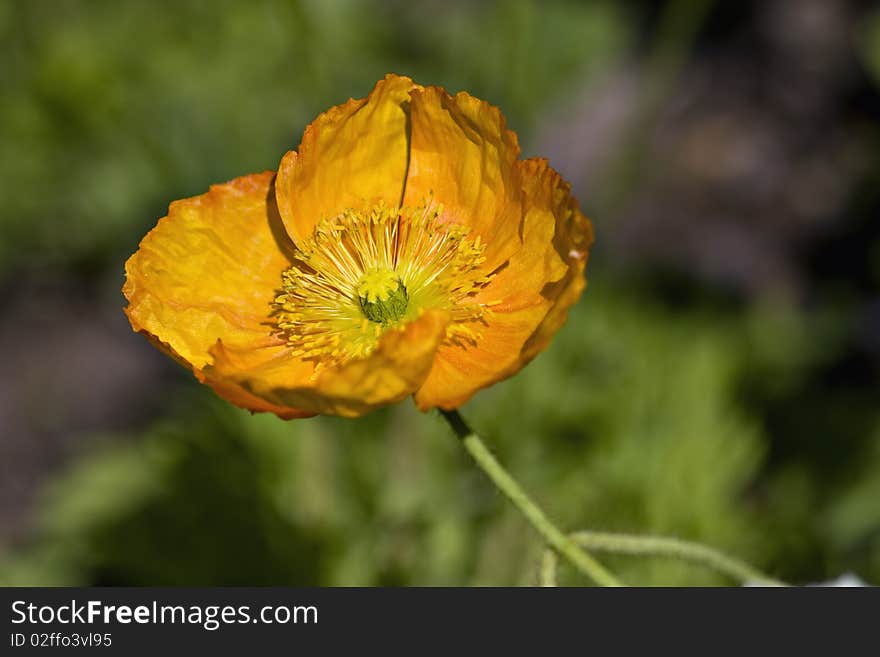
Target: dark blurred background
<point>719,381</point>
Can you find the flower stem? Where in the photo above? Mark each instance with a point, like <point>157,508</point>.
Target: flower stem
<point>514,492</point>
<point>661,546</point>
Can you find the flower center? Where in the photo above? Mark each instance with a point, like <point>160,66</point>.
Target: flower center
<point>382,296</point>
<point>363,272</point>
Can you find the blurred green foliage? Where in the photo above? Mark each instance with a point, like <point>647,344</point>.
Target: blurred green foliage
<point>641,417</point>
<point>109,109</point>
<point>628,422</point>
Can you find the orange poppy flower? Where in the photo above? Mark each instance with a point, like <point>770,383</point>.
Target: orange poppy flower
<point>404,249</point>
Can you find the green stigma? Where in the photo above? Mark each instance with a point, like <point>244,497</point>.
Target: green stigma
<point>382,296</point>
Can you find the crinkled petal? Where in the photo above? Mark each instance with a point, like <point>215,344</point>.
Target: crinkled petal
<point>573,241</point>
<point>235,393</point>
<point>352,156</point>
<point>209,271</point>
<point>529,298</point>
<point>462,156</point>
<point>392,372</point>
<point>460,372</point>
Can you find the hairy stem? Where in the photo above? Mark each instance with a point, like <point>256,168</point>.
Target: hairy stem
<point>557,540</point>
<point>659,546</point>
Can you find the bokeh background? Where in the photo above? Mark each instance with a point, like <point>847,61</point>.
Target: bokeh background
<point>719,381</point>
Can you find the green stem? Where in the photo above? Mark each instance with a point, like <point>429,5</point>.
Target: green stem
<point>672,547</point>
<point>514,492</point>
<point>547,573</point>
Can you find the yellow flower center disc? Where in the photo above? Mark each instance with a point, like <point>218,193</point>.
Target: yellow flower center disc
<point>382,296</point>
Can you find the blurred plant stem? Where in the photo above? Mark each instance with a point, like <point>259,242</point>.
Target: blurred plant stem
<point>533,513</point>
<point>573,546</point>
<point>660,546</point>
<point>680,23</point>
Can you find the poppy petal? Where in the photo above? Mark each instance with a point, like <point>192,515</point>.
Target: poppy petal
<point>392,372</point>
<point>208,271</point>
<point>352,156</point>
<point>572,241</point>
<point>463,156</point>
<point>529,298</point>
